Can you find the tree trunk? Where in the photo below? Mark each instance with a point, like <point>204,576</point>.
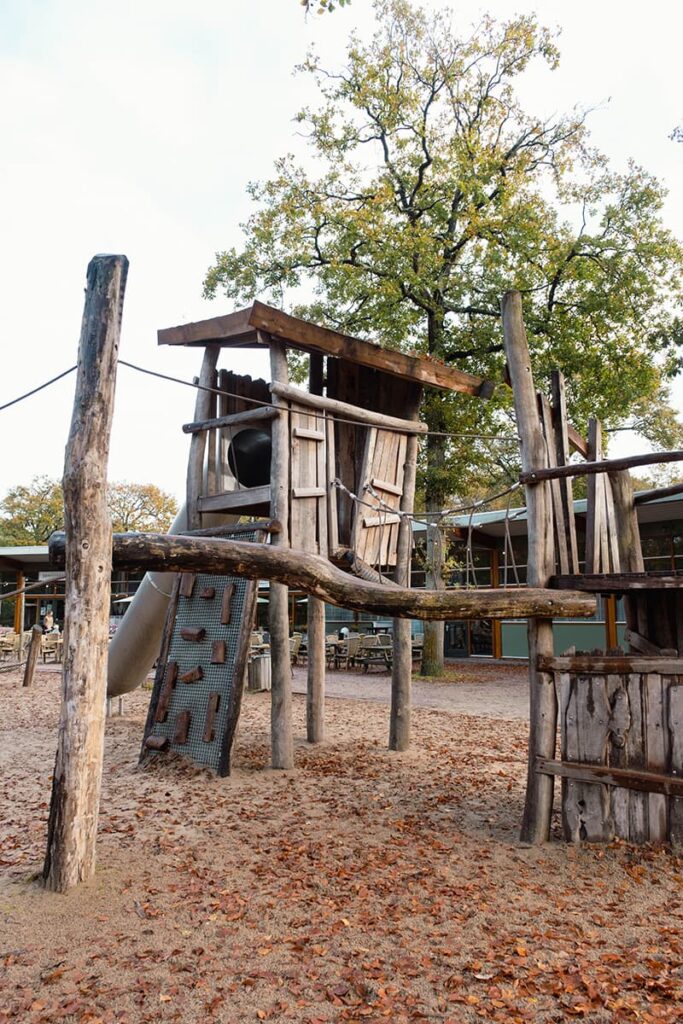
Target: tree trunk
<point>74,808</point>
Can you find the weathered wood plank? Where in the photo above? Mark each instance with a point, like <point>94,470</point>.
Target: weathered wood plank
<point>675,726</point>
<point>246,324</point>
<point>596,664</point>
<point>602,775</point>
<point>618,583</point>
<point>560,532</point>
<point>195,462</point>
<point>560,422</point>
<point>656,735</point>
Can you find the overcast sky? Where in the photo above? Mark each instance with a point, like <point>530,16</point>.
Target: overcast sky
<point>135,127</point>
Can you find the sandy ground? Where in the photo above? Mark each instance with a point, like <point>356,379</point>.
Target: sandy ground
<point>362,886</point>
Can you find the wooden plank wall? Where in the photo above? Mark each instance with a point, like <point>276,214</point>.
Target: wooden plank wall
<point>633,722</point>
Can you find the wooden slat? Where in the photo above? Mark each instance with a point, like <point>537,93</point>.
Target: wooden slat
<point>308,435</point>
<point>620,725</point>
<point>333,496</point>
<point>385,485</point>
<point>656,734</point>
<point>617,583</point>
<point>560,422</point>
<point>592,664</point>
<point>644,782</point>
<point>195,464</point>
<point>247,497</point>
<point>308,492</point>
<point>675,725</point>
<point>244,325</point>
<point>555,486</point>
<point>586,807</point>
<point>595,505</point>
<point>187,584</point>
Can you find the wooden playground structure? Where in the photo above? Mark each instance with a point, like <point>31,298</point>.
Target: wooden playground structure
<point>328,477</point>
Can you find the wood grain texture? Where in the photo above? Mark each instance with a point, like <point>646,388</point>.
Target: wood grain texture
<point>74,807</point>
<point>317,576</point>
<point>543,701</point>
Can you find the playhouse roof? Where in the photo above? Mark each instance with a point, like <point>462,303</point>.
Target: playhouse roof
<point>241,329</point>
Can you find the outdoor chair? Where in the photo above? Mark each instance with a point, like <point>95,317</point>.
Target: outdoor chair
<point>346,652</point>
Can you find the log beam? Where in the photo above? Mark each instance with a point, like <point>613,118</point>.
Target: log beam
<point>315,575</point>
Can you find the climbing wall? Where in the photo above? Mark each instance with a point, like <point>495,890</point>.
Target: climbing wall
<point>199,680</point>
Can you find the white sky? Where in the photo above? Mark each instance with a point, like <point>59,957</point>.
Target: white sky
<point>134,128</point>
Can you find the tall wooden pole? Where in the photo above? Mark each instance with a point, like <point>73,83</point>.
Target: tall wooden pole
<point>282,744</point>
<point>19,605</point>
<point>74,808</point>
<point>402,646</point>
<point>315,681</point>
<point>540,566</point>
<point>202,410</point>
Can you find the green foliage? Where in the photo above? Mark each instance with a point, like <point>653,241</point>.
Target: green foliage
<point>29,513</point>
<point>433,192</point>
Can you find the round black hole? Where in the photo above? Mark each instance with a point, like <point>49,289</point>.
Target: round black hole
<point>249,457</point>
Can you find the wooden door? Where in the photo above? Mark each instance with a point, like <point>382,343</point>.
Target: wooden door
<point>375,526</point>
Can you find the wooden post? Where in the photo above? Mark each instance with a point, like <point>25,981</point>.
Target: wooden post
<point>72,825</point>
<point>33,654</point>
<point>19,605</point>
<point>402,645</point>
<point>540,562</point>
<point>202,411</point>
<point>282,744</point>
<point>315,675</point>
<point>496,629</point>
<point>315,692</point>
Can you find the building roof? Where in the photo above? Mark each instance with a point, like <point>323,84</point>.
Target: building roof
<point>245,328</point>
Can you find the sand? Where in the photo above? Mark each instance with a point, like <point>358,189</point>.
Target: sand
<point>362,886</point>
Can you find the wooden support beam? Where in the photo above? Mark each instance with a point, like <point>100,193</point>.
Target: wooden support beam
<point>315,683</point>
<point>19,602</point>
<point>543,702</point>
<point>195,462</point>
<point>644,497</point>
<point>282,742</point>
<point>535,476</point>
<point>402,648</point>
<point>237,419</point>
<point>74,807</point>
<point>315,575</point>
<point>604,775</point>
<point>346,411</point>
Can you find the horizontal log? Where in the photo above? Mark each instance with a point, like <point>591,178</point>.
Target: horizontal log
<point>625,778</point>
<point>596,664</point>
<point>618,583</point>
<point>317,576</point>
<point>535,476</point>
<point>643,497</point>
<point>236,419</point>
<point>346,411</point>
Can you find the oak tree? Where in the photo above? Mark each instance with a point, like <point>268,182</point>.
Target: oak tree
<point>430,193</point>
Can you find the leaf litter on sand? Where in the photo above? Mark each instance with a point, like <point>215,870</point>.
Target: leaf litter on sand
<point>363,886</point>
